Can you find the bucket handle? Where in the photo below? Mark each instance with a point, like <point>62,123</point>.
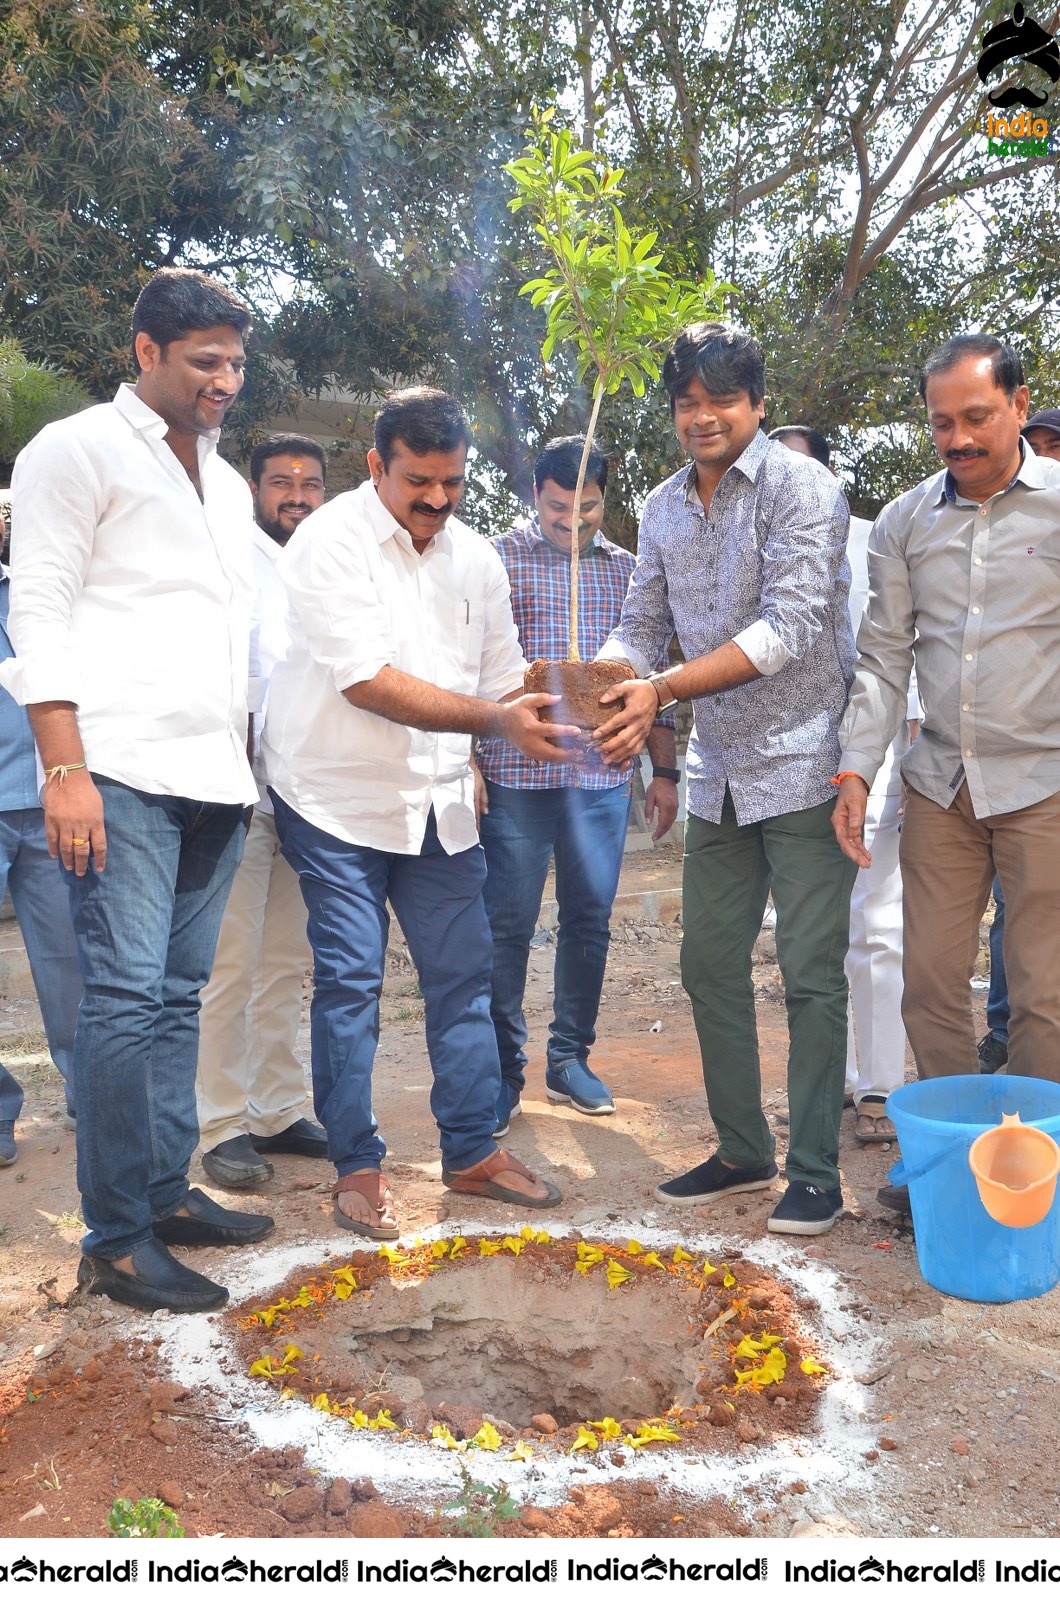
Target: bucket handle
<point>901,1174</point>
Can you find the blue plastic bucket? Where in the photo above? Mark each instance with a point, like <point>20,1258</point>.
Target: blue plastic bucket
<point>962,1251</point>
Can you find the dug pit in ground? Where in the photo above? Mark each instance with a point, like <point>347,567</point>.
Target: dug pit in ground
<point>571,1343</point>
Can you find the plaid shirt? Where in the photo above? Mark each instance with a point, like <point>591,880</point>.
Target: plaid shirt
<point>540,578</point>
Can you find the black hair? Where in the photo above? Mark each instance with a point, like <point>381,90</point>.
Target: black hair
<point>724,359</point>
<point>559,460</point>
<point>287,444</point>
<point>426,420</point>
<point>179,300</point>
<point>1005,363</point>
<point>818,445</point>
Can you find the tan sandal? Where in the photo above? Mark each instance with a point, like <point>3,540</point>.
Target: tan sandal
<point>482,1179</point>
<point>373,1187</point>
<point>872,1125</point>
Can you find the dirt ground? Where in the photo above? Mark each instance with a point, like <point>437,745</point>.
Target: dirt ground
<point>933,1416</point>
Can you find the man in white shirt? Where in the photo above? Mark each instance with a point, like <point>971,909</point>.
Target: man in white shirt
<point>403,646</point>
<point>250,1089</point>
<point>130,618</point>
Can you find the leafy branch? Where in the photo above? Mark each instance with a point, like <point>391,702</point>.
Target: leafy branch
<point>605,291</point>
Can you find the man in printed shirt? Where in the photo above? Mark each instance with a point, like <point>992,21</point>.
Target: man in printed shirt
<point>742,552</point>
<point>580,813</point>
<point>965,581</point>
<point>130,617</point>
<point>403,646</point>
<point>250,1089</point>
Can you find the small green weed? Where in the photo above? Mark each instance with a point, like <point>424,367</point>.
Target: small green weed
<point>143,1519</point>
<point>479,1507</point>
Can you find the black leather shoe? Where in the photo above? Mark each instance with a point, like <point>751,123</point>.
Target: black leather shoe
<point>209,1223</point>
<point>235,1164</point>
<point>302,1138</point>
<point>895,1196</point>
<point>157,1283</point>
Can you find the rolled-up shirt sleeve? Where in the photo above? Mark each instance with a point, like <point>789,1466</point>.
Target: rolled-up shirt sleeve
<point>503,664</point>
<point>801,560</point>
<point>337,603</point>
<point>56,504</point>
<point>646,624</point>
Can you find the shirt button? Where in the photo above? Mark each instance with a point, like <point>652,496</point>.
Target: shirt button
<point>968,753</point>
<point>975,611</point>
<point>968,657</point>
<point>978,561</point>
<point>966,706</point>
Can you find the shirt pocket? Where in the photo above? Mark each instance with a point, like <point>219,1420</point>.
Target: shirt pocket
<point>463,645</point>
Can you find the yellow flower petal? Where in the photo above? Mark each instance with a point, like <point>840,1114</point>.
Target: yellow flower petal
<point>728,1279</point>
<point>607,1428</point>
<point>261,1368</point>
<point>459,1245</point>
<point>652,1260</point>
<point>440,1248</point>
<point>706,1269</point>
<point>521,1452</point>
<point>292,1353</point>
<point>681,1255</point>
<point>489,1247</point>
<point>487,1437</point>
<point>810,1366</point>
<point>382,1419</point>
<point>586,1440</point>
<point>616,1274</point>
<point>516,1246</point>
<point>320,1402</point>
<point>634,1248</point>
<point>344,1275</point>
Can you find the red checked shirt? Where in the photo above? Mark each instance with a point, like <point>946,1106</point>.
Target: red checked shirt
<point>540,578</point>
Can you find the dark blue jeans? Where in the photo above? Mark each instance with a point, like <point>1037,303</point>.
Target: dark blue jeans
<point>438,902</point>
<point>586,831</point>
<point>43,911</point>
<point>146,932</point>
<point>997,1007</point>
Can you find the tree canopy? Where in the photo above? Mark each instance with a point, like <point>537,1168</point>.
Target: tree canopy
<point>343,165</point>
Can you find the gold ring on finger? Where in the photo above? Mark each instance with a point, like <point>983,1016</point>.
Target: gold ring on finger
<point>79,841</point>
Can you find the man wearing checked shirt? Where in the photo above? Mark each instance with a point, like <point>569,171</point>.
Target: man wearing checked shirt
<point>530,811</point>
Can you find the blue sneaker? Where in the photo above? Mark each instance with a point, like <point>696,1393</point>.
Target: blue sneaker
<point>508,1108</point>
<point>573,1084</point>
<point>805,1209</point>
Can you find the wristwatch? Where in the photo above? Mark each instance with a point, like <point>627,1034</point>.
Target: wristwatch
<point>673,773</point>
<point>661,684</point>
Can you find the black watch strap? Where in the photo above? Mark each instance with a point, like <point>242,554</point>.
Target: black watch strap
<point>673,773</point>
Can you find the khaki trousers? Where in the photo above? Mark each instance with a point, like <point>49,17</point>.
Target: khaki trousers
<point>949,858</point>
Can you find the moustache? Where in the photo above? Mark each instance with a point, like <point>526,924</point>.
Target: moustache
<point>422,509</point>
<point>964,455</point>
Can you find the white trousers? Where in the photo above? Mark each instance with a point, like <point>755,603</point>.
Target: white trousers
<point>875,1034</point>
<point>249,1078</point>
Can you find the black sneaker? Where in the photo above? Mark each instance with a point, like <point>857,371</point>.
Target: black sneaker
<point>712,1179</point>
<point>806,1209</point>
<point>993,1053</point>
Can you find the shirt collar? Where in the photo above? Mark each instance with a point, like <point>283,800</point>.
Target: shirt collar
<point>145,420</point>
<point>537,540</point>
<point>749,462</point>
<point>1029,472</point>
<point>386,526</point>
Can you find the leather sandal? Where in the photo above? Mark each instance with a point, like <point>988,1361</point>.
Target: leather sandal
<point>872,1125</point>
<point>483,1180</point>
<point>373,1187</point>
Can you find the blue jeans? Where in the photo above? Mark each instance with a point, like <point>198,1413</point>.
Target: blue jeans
<point>997,1007</point>
<point>43,911</point>
<point>146,932</point>
<point>438,902</point>
<point>586,831</point>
